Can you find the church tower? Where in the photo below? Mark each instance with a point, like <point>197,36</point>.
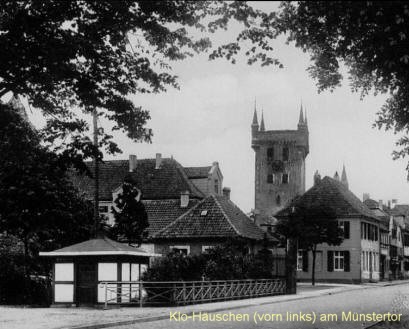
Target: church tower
<point>279,166</point>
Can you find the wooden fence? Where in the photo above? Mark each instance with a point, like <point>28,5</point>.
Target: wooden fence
<point>188,292</point>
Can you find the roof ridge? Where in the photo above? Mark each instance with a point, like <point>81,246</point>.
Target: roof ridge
<point>179,218</point>
<point>340,186</point>
<point>225,215</point>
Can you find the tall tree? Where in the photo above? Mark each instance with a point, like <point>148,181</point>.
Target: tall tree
<point>311,226</point>
<point>70,57</point>
<point>131,218</point>
<point>38,204</point>
<point>370,38</point>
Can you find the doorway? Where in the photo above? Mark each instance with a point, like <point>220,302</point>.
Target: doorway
<point>86,284</point>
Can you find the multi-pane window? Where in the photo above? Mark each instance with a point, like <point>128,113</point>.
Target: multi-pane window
<point>369,232</point>
<point>344,226</point>
<point>285,178</point>
<point>338,260</point>
<point>286,153</point>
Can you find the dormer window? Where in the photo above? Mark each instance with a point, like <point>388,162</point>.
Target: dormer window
<point>286,153</point>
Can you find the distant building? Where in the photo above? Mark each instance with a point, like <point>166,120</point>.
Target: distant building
<point>188,209</point>
<point>279,166</point>
<point>357,258</point>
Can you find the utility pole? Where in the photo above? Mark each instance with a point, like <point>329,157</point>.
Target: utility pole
<point>96,174</point>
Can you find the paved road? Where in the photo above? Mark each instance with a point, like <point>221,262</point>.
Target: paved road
<point>392,299</point>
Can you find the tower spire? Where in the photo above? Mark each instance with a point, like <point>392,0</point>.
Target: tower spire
<point>255,120</point>
<point>344,179</point>
<point>301,119</point>
<point>305,117</point>
<point>262,128</point>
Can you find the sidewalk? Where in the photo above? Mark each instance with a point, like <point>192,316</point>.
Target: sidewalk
<point>90,318</point>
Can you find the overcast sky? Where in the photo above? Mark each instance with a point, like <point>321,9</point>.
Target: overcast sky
<point>209,119</point>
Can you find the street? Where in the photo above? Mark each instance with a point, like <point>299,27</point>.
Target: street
<point>378,300</point>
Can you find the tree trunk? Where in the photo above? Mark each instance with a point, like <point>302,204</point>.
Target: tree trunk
<point>25,269</point>
<point>314,252</point>
<point>291,267</point>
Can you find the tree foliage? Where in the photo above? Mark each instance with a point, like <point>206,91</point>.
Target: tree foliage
<point>311,226</point>
<point>131,218</point>
<point>38,204</point>
<point>224,262</point>
<point>71,57</point>
<point>370,38</point>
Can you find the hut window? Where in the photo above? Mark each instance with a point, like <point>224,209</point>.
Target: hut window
<point>64,272</point>
<point>107,272</point>
<point>64,285</point>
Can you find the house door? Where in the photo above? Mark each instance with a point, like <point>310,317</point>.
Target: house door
<point>86,284</point>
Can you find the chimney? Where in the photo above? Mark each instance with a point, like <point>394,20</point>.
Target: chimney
<point>184,199</point>
<point>365,197</point>
<point>132,162</point>
<point>317,178</point>
<point>380,204</point>
<point>389,204</point>
<point>158,160</point>
<point>226,192</point>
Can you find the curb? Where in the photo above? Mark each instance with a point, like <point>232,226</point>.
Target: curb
<point>163,317</point>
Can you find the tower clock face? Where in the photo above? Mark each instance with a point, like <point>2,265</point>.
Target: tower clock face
<point>277,166</point>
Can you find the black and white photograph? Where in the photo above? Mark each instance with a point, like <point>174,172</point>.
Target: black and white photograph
<point>204,164</point>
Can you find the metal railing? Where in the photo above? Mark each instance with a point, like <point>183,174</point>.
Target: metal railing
<point>188,292</point>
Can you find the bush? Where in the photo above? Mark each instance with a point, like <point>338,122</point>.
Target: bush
<point>220,263</point>
<point>15,287</point>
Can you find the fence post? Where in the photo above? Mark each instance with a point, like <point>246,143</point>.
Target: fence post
<point>106,296</point>
<point>140,294</point>
<point>184,292</point>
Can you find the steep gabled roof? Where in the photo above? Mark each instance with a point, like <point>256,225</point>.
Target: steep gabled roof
<point>163,212</point>
<point>332,194</point>
<point>98,247</point>
<point>213,217</point>
<point>197,172</point>
<point>167,182</point>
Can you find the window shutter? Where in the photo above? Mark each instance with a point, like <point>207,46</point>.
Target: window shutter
<point>347,261</point>
<point>305,261</point>
<point>346,230</point>
<point>330,260</point>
